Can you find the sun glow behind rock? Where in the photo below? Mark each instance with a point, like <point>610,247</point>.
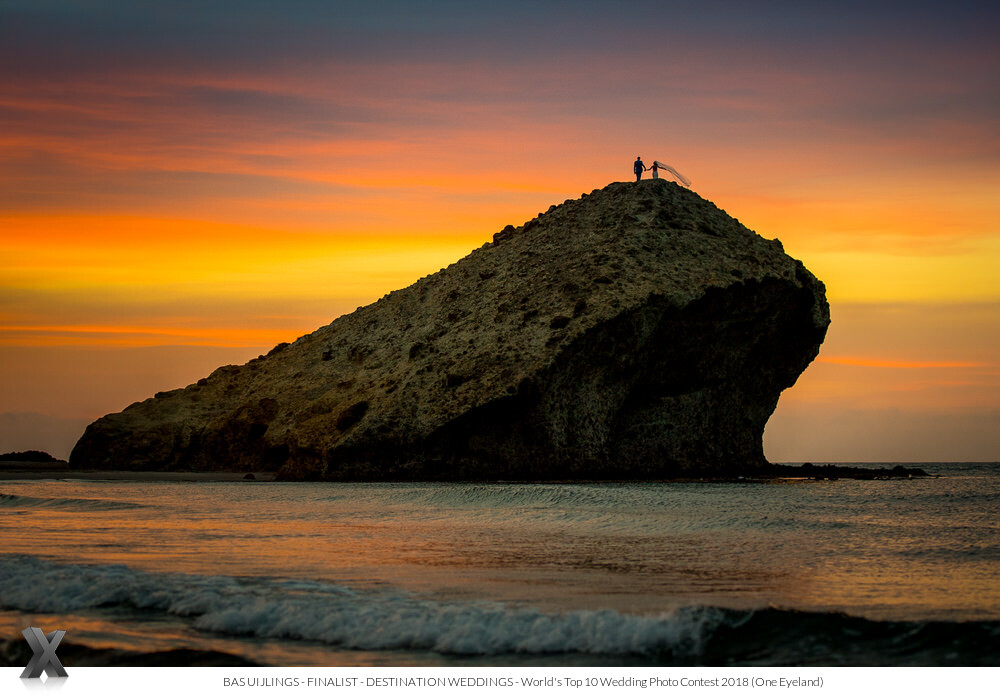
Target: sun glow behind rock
<point>238,181</point>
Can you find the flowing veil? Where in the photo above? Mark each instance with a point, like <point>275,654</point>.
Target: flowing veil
<point>680,177</point>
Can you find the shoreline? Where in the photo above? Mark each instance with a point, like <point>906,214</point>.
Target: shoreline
<point>60,470</point>
<point>10,471</point>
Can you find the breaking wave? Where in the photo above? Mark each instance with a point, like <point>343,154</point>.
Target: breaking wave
<point>15,501</point>
<point>344,617</point>
<point>347,618</point>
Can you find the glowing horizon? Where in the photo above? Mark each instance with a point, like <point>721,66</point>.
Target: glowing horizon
<point>187,177</point>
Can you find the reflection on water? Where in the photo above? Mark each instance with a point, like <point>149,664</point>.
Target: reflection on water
<point>889,550</point>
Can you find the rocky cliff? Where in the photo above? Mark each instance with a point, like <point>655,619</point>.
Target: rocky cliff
<point>637,332</point>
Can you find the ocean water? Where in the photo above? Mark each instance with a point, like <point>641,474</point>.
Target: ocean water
<point>789,572</point>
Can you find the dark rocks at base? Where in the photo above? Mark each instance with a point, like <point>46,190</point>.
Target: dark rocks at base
<point>31,464</point>
<point>28,456</point>
<point>636,333</point>
<point>811,471</point>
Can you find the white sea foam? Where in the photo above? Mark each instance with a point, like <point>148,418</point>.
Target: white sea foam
<point>349,618</point>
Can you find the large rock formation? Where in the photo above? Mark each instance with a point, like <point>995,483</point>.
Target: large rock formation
<point>638,332</point>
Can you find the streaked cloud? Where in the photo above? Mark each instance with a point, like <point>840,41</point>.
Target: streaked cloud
<point>187,173</point>
<point>865,362</point>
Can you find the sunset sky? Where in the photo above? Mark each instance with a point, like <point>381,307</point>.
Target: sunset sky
<point>185,184</point>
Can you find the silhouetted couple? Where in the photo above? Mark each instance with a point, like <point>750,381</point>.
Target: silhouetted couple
<point>639,168</point>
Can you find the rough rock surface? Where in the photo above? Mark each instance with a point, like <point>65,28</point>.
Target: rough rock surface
<point>638,332</point>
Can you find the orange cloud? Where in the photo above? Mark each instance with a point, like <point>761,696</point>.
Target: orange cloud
<point>111,336</point>
<point>865,362</point>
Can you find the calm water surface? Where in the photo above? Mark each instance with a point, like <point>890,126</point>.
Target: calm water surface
<point>508,573</point>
